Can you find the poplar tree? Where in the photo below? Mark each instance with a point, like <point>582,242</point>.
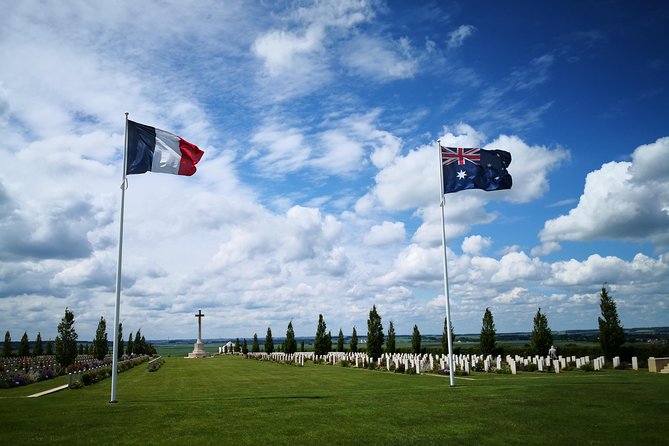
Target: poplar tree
<point>49,348</point>
<point>7,345</point>
<point>245,347</point>
<point>390,342</point>
<point>374,334</point>
<point>129,349</point>
<point>302,345</point>
<point>119,339</point>
<point>101,343</point>
<point>444,337</point>
<point>24,346</point>
<point>238,346</point>
<point>137,346</point>
<point>269,342</point>
<point>542,337</point>
<point>488,331</point>
<point>66,341</point>
<point>415,340</point>
<point>39,350</point>
<point>611,334</point>
<point>255,347</point>
<point>340,341</point>
<point>354,341</point>
<point>321,342</point>
<point>290,342</point>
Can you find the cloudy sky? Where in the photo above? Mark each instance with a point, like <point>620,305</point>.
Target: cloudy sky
<point>319,188</point>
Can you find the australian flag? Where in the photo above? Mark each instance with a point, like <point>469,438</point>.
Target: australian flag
<point>475,169</point>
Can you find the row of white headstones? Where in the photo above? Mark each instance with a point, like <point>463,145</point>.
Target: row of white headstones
<point>427,362</point>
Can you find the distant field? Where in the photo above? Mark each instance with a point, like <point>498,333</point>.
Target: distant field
<point>231,400</point>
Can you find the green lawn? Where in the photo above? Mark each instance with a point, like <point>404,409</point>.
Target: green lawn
<point>230,400</point>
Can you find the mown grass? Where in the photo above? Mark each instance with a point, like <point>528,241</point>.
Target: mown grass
<point>230,400</point>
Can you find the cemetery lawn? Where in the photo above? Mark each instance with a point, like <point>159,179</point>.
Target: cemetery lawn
<point>231,400</point>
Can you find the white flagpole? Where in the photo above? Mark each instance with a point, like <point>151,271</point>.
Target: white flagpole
<point>124,186</point>
<point>443,244</point>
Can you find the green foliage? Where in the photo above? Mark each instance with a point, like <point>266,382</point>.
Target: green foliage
<point>444,337</point>
<point>390,341</point>
<point>24,346</point>
<point>49,348</point>
<point>374,334</point>
<point>340,341</point>
<point>588,367</point>
<point>302,345</point>
<point>321,343</point>
<point>38,350</point>
<point>290,342</point>
<point>345,363</point>
<point>7,345</point>
<point>542,337</point>
<point>66,341</point>
<point>101,343</point>
<point>611,334</point>
<point>269,342</point>
<point>415,340</point>
<point>130,347</point>
<point>354,341</point>
<point>245,347</point>
<point>255,347</point>
<point>119,340</point>
<point>488,332</point>
<point>238,346</point>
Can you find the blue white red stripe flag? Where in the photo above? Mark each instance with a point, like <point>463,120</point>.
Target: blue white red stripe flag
<point>155,150</point>
<point>474,168</point>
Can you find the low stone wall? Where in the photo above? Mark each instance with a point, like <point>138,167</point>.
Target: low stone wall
<point>655,365</point>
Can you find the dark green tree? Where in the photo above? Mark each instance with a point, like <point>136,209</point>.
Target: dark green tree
<point>119,339</point>
<point>611,334</point>
<point>444,337</point>
<point>238,346</point>
<point>542,337</point>
<point>87,350</point>
<point>374,334</point>
<point>80,349</point>
<point>269,342</point>
<point>49,348</point>
<point>130,348</point>
<point>101,343</point>
<point>321,343</point>
<point>66,341</point>
<point>7,346</point>
<point>39,349</point>
<point>488,333</point>
<point>415,340</point>
<point>354,341</point>
<point>302,345</point>
<point>24,346</point>
<point>245,347</point>
<point>290,343</point>
<point>255,347</point>
<point>137,346</point>
<point>390,341</point>
<point>340,341</point>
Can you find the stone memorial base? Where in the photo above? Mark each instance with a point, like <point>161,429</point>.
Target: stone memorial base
<point>198,350</point>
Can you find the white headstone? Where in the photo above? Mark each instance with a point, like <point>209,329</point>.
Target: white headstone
<point>635,363</point>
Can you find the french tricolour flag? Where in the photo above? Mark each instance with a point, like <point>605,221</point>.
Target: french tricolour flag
<point>155,150</point>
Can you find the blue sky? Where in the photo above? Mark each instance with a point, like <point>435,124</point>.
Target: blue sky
<point>318,191</point>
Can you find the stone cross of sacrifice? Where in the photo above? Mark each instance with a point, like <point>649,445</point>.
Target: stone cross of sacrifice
<point>199,317</point>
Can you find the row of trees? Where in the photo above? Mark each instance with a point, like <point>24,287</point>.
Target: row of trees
<point>66,349</point>
<point>611,335</point>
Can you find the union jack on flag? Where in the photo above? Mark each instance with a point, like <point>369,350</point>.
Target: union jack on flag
<point>450,155</point>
